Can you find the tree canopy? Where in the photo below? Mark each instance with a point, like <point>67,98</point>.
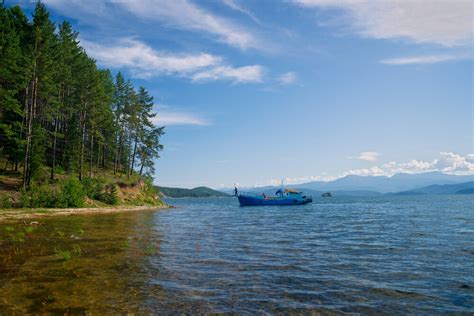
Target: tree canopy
<point>60,113</point>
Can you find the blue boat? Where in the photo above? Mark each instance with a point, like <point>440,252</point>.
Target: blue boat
<point>282,197</point>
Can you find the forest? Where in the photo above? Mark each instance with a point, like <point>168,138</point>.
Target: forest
<point>61,116</point>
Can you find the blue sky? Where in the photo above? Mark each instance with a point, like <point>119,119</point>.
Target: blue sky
<point>252,92</point>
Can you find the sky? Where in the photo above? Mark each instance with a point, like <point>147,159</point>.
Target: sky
<point>255,91</point>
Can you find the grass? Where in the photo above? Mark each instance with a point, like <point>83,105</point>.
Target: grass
<point>63,255</point>
<point>128,193</point>
<point>150,250</point>
<point>126,243</point>
<point>42,211</point>
<point>77,249</point>
<point>19,237</point>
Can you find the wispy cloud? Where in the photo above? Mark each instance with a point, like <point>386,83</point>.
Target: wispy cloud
<point>168,117</point>
<point>183,14</point>
<point>427,59</point>
<point>447,23</point>
<point>252,73</point>
<point>237,7</point>
<point>287,78</point>
<point>145,62</point>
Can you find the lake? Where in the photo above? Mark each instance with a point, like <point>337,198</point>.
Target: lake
<point>392,255</point>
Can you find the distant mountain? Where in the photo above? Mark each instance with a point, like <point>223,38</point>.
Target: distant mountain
<point>353,185</point>
<point>193,193</point>
<point>315,193</point>
<point>466,191</point>
<point>396,183</point>
<point>460,188</point>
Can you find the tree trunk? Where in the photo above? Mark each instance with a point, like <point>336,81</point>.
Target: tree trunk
<point>81,161</point>
<point>91,155</point>
<point>29,130</point>
<point>134,153</point>
<point>28,136</point>
<point>97,164</point>
<point>54,145</point>
<point>141,167</point>
<point>129,171</point>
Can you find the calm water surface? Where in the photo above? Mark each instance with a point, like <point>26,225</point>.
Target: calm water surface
<point>390,255</point>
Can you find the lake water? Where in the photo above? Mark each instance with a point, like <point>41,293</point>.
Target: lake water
<point>386,255</point>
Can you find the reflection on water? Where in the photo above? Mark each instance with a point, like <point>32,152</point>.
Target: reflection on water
<point>382,255</point>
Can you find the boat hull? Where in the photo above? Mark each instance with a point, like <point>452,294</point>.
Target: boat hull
<point>246,200</point>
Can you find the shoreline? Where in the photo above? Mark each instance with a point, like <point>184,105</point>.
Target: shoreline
<point>19,214</point>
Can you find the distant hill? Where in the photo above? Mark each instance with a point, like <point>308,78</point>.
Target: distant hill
<point>460,188</point>
<point>353,185</point>
<point>466,191</point>
<point>193,193</point>
<point>396,183</point>
<point>315,193</point>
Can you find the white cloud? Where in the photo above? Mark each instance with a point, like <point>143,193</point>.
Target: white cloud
<point>372,171</point>
<point>413,166</point>
<point>368,156</point>
<point>452,163</point>
<point>448,162</point>
<point>168,117</point>
<point>185,15</point>
<point>239,74</point>
<point>443,22</point>
<point>429,59</point>
<point>145,62</point>
<point>287,78</point>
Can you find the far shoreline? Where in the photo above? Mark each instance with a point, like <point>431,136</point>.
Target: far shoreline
<point>33,213</point>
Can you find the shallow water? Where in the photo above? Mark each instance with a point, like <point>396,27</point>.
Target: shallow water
<point>392,255</point>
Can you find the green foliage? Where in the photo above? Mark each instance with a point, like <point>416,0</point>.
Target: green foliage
<point>67,193</point>
<point>5,202</point>
<point>110,195</point>
<point>61,115</point>
<point>72,193</point>
<point>39,195</point>
<point>93,187</point>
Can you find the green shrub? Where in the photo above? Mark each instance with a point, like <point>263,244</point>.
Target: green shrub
<point>72,193</point>
<point>5,202</point>
<point>24,200</point>
<point>59,170</point>
<point>110,195</point>
<point>39,195</point>
<point>93,187</point>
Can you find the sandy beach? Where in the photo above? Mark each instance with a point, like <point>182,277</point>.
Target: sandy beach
<point>19,214</point>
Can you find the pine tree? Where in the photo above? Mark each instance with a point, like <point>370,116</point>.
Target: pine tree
<point>12,80</point>
<point>58,110</point>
